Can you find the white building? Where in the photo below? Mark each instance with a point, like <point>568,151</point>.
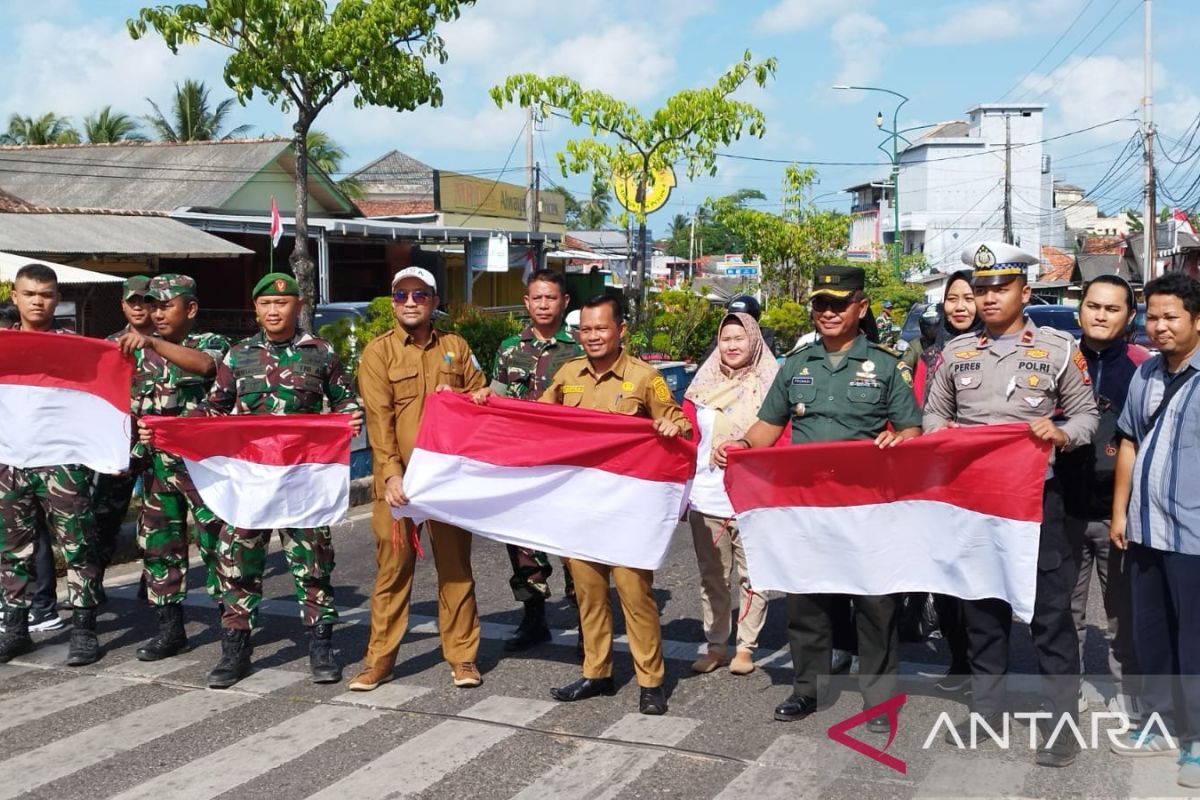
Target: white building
<point>952,189</point>
<point>1083,215</point>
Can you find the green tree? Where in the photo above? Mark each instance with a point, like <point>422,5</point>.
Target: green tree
<point>192,118</point>
<point>882,284</point>
<point>712,236</point>
<point>687,129</point>
<point>300,54</point>
<point>789,320</point>
<point>679,324</point>
<point>49,128</point>
<point>107,125</point>
<point>327,155</point>
<point>593,213</point>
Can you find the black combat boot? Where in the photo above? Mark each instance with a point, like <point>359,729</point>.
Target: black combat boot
<point>235,659</point>
<point>171,639</point>
<point>321,661</point>
<point>85,647</point>
<point>15,639</point>
<point>533,629</point>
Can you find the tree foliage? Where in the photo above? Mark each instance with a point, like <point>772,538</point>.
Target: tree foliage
<point>300,54</point>
<point>106,126</point>
<point>49,128</point>
<point>713,237</point>
<point>192,118</point>
<point>679,324</point>
<point>591,214</point>
<point>327,155</point>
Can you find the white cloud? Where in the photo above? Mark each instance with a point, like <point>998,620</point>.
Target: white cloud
<point>790,16</point>
<point>861,41</point>
<point>630,63</point>
<point>1085,92</point>
<point>968,25</point>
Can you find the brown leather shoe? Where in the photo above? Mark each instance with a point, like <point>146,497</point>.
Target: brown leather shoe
<point>371,677</point>
<point>466,675</point>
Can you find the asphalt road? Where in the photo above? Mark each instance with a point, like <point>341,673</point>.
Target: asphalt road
<point>123,728</point>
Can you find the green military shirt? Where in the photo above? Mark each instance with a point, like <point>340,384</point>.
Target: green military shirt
<point>869,388</point>
<point>525,364</point>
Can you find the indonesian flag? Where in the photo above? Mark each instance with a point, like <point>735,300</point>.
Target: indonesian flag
<point>63,400</point>
<point>264,471</point>
<point>276,224</point>
<point>956,512</point>
<point>577,483</point>
<point>1182,222</point>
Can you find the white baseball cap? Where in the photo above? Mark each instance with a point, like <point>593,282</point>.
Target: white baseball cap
<point>423,275</point>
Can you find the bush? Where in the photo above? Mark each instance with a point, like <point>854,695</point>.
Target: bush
<point>788,320</point>
<point>5,291</point>
<point>680,325</point>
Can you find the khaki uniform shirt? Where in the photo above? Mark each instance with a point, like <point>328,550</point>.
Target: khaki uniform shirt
<point>977,386</point>
<point>394,376</point>
<point>630,386</point>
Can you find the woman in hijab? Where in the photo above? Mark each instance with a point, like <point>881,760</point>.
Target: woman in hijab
<point>723,402</point>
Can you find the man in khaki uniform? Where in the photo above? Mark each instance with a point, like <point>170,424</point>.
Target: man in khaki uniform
<point>608,379</point>
<point>398,370</point>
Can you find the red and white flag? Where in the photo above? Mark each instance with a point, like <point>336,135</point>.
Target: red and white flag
<point>63,400</point>
<point>264,471</point>
<point>276,224</point>
<point>583,484</point>
<point>1182,223</point>
<point>956,512</point>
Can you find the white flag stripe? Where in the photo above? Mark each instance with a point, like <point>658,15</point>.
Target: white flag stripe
<point>34,768</point>
<point>241,762</point>
<point>903,547</point>
<point>428,757</point>
<point>292,496</point>
<point>42,426</point>
<point>600,770</point>
<point>549,508</point>
<point>34,704</point>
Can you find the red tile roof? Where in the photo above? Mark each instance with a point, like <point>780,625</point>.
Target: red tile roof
<point>394,208</point>
<point>1056,264</point>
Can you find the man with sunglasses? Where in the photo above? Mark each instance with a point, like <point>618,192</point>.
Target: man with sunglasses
<point>1014,371</point>
<point>398,370</point>
<point>841,387</point>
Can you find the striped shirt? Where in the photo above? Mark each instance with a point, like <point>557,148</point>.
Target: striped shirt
<point>1164,511</point>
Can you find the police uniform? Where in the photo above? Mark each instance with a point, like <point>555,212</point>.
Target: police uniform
<point>633,388</point>
<point>851,400</point>
<point>1031,374</point>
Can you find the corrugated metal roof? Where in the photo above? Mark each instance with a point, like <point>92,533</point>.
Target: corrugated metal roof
<point>10,263</point>
<point>110,234</point>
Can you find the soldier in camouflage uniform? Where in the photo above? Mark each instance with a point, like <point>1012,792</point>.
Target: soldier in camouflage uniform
<point>175,371</point>
<point>282,370</point>
<point>525,366</point>
<point>64,495</point>
<point>110,498</point>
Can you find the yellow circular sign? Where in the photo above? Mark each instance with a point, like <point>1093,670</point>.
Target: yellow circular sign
<point>658,190</point>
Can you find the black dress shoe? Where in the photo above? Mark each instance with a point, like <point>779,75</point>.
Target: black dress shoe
<point>795,708</point>
<point>652,701</point>
<point>584,688</point>
<point>1061,754</point>
<point>963,729</point>
<point>879,724</point>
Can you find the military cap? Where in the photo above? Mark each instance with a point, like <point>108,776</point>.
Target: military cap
<point>997,263</point>
<point>135,286</point>
<point>276,284</point>
<point>165,287</point>
<point>835,280</point>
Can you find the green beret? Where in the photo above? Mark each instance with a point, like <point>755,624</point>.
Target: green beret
<point>276,284</point>
<point>165,287</point>
<point>135,286</point>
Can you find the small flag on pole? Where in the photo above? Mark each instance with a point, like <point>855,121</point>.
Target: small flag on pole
<point>276,225</point>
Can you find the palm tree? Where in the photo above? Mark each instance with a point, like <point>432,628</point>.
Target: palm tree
<point>327,155</point>
<point>593,214</point>
<point>50,128</point>
<point>109,126</point>
<point>192,119</point>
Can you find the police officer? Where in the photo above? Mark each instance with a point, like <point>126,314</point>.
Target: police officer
<point>1013,371</point>
<point>841,387</point>
<point>525,364</point>
<point>608,379</point>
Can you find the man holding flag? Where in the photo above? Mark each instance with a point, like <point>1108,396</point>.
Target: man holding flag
<point>1014,371</point>
<point>838,388</point>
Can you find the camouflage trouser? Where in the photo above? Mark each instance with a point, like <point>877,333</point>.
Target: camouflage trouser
<point>162,532</point>
<point>241,558</point>
<point>64,494</point>
<point>531,574</point>
<point>110,504</point>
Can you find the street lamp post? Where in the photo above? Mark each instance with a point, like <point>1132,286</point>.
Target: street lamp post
<point>894,157</point>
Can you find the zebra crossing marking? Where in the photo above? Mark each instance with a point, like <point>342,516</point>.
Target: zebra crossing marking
<point>388,696</point>
<point>791,767</point>
<point>42,702</point>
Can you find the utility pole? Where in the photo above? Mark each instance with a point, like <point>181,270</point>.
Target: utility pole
<point>1008,222</point>
<point>692,247</point>
<point>1150,221</point>
<point>530,169</point>
<point>537,197</point>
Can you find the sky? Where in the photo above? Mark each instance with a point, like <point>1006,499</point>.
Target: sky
<point>1082,58</point>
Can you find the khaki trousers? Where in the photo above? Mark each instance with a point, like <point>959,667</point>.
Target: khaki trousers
<point>458,618</point>
<point>634,588</point>
<point>718,549</point>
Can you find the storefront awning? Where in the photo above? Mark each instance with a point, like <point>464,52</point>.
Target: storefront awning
<point>110,235</point>
<point>10,263</point>
<point>583,255</point>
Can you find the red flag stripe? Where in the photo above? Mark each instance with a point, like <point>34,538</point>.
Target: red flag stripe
<point>515,433</point>
<point>51,360</point>
<point>992,469</point>
<point>266,439</point>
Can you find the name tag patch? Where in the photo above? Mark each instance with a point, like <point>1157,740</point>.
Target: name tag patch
<point>802,381</point>
<point>864,384</point>
<point>569,389</point>
<point>966,366</point>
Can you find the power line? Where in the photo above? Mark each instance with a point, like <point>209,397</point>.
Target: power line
<point>496,182</point>
<point>1046,54</point>
<point>1090,53</point>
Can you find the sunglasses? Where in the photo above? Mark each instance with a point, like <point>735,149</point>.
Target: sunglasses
<point>835,304</point>
<point>137,300</point>
<point>419,296</point>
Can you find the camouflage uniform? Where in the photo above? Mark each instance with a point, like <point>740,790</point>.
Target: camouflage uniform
<point>166,390</point>
<point>525,366</point>
<point>259,376</point>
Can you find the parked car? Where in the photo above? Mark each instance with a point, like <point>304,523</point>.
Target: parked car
<point>1138,335</point>
<point>332,312</point>
<point>911,329</point>
<point>1063,318</point>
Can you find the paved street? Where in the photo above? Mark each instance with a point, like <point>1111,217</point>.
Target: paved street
<point>128,729</point>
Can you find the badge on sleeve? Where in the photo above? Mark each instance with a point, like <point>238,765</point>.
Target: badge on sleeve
<point>905,372</point>
<point>1081,364</point>
<point>662,392</point>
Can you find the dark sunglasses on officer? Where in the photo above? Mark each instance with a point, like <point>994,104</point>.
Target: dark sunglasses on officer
<point>838,305</point>
<point>419,296</point>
